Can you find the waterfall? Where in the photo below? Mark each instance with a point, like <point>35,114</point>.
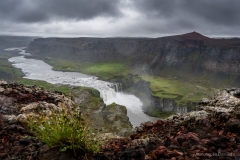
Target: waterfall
<point>116,86</point>
<point>110,92</point>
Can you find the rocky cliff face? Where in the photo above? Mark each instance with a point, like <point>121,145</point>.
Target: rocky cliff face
<point>168,105</point>
<point>14,41</point>
<point>19,102</point>
<point>191,53</point>
<point>211,132</point>
<point>111,119</point>
<point>85,49</point>
<point>136,85</point>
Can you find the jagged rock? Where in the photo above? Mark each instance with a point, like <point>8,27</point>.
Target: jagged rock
<point>109,119</point>
<point>205,101</point>
<point>211,131</point>
<point>233,125</point>
<point>191,116</point>
<point>2,89</point>
<point>237,93</point>
<point>3,82</point>
<point>19,102</point>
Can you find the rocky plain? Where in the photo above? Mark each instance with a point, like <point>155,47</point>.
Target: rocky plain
<point>210,132</point>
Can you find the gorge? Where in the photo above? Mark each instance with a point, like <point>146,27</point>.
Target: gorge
<point>193,50</point>
<point>39,70</point>
<point>205,63</point>
<point>193,66</point>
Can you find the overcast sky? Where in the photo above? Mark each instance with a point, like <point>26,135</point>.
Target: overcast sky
<point>125,18</point>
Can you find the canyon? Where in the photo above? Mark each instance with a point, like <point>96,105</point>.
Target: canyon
<point>190,53</point>
<point>199,60</point>
<point>190,57</point>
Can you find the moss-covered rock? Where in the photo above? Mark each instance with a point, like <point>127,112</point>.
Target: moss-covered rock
<point>112,118</point>
<point>115,117</point>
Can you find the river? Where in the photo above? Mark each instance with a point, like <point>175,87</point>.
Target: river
<point>39,70</point>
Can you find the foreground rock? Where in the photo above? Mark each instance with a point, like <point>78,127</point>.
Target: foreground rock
<point>211,132</point>
<point>110,119</point>
<point>18,102</point>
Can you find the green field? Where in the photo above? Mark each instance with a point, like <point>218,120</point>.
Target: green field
<point>182,91</point>
<point>105,71</point>
<point>7,71</point>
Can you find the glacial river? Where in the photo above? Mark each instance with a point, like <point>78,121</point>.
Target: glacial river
<point>39,70</point>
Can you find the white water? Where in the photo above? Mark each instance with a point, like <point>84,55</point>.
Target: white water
<point>39,70</point>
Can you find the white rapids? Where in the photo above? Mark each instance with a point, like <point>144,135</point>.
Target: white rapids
<point>39,70</point>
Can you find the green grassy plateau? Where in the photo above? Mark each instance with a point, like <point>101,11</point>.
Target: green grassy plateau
<point>105,71</point>
<point>182,91</point>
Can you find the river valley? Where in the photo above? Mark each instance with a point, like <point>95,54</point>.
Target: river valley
<point>39,70</point>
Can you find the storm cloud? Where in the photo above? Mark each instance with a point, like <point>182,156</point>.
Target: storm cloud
<point>151,18</point>
<point>29,11</point>
<point>221,12</point>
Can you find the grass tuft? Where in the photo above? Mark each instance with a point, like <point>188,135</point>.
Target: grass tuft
<point>68,132</point>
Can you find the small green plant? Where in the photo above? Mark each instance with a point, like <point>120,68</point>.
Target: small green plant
<point>161,114</point>
<point>68,132</point>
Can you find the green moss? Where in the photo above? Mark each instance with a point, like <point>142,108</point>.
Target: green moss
<point>113,104</point>
<point>160,114</point>
<point>112,108</point>
<point>51,87</point>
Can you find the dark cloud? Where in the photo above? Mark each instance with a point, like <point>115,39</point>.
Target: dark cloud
<point>28,11</point>
<point>220,12</point>
<point>152,18</point>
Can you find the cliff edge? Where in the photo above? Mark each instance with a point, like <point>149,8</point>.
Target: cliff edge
<point>211,132</point>
<point>18,103</point>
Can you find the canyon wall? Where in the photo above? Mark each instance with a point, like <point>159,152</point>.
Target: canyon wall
<point>191,52</point>
<point>14,41</point>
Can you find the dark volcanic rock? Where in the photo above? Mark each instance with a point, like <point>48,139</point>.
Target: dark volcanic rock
<point>18,102</point>
<point>233,125</point>
<point>212,132</point>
